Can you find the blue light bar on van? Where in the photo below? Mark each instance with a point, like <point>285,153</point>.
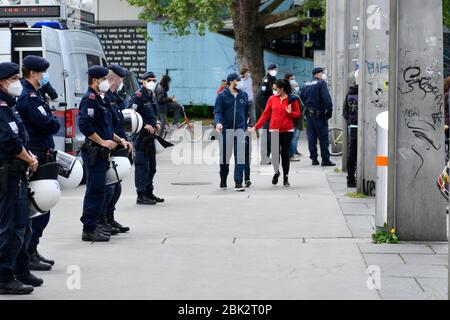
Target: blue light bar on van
<point>50,24</point>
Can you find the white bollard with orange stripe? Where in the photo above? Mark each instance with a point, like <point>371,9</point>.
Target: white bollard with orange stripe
<point>382,163</point>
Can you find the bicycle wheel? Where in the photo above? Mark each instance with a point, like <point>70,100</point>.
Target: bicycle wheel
<point>336,141</point>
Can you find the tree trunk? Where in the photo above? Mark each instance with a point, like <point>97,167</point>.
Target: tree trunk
<point>249,38</point>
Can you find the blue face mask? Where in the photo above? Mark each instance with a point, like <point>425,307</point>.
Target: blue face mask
<point>45,79</point>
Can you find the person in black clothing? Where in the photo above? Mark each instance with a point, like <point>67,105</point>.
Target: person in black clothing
<point>166,103</point>
<point>262,97</point>
<point>351,115</point>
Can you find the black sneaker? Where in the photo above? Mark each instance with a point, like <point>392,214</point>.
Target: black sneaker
<point>248,183</point>
<point>239,188</point>
<point>151,196</point>
<point>286,182</point>
<point>223,184</point>
<point>315,162</point>
<point>95,236</point>
<point>30,280</point>
<point>144,200</point>
<point>121,228</point>
<point>328,164</point>
<point>44,260</point>
<point>15,287</point>
<point>37,265</point>
<point>275,178</point>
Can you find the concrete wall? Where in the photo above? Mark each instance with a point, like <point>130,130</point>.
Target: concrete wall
<point>198,64</point>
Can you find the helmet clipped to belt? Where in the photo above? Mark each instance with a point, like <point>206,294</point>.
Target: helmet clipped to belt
<point>133,122</point>
<point>120,167</point>
<point>44,189</point>
<point>71,171</point>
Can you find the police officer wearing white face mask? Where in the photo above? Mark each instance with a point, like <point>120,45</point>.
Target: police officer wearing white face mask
<point>15,158</point>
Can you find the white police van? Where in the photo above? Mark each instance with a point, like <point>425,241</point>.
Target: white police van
<point>43,30</point>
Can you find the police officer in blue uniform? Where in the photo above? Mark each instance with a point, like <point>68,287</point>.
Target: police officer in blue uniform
<point>41,126</point>
<point>15,159</point>
<point>96,124</point>
<point>144,103</point>
<point>318,110</point>
<point>116,104</point>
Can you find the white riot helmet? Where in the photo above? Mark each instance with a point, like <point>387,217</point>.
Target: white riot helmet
<point>71,171</point>
<point>120,167</point>
<point>133,122</point>
<point>44,189</point>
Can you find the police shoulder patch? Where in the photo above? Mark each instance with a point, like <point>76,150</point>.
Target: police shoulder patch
<point>33,95</point>
<point>92,96</point>
<point>3,104</point>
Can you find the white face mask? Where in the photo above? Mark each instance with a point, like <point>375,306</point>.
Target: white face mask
<point>324,76</point>
<point>276,93</point>
<point>150,85</point>
<point>240,85</point>
<point>273,73</point>
<point>104,86</point>
<point>15,88</point>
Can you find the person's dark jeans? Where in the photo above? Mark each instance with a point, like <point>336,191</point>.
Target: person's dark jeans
<point>285,143</point>
<point>38,226</point>
<point>233,142</point>
<point>294,146</point>
<point>163,112</point>
<point>352,154</point>
<point>248,158</point>
<point>318,129</point>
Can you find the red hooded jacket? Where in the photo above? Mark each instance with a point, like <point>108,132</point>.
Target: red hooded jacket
<point>280,119</point>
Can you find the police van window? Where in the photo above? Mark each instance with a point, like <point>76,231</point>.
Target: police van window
<point>92,60</point>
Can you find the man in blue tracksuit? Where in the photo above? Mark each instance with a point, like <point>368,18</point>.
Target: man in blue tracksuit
<point>230,116</point>
<point>143,102</point>
<point>318,110</point>
<point>41,126</point>
<point>116,105</point>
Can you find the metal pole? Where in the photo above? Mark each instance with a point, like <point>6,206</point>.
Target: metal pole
<point>416,131</point>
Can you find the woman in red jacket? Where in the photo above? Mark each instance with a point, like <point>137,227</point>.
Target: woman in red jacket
<point>282,108</point>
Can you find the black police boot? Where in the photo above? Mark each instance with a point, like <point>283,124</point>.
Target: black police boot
<point>117,225</point>
<point>151,196</point>
<point>108,230</point>
<point>315,162</point>
<point>15,287</point>
<point>275,178</point>
<point>30,280</point>
<point>37,265</point>
<point>94,236</point>
<point>328,164</point>
<point>286,182</point>
<point>45,260</point>
<point>144,200</point>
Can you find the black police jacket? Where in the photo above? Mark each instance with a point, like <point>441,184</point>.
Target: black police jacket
<point>37,118</point>
<point>117,104</point>
<point>143,103</point>
<point>351,106</point>
<point>95,116</point>
<point>315,96</point>
<point>13,135</point>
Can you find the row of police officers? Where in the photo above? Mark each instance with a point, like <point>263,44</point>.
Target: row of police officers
<point>27,127</point>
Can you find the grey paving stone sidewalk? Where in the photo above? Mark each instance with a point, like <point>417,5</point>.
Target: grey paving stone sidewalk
<point>306,242</point>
